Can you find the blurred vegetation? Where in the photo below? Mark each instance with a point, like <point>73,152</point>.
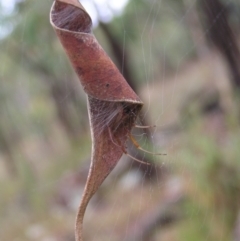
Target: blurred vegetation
<point>44,136</point>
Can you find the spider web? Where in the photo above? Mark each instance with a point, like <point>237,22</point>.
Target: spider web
<point>135,202</point>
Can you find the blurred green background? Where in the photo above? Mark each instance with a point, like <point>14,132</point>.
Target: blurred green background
<point>182,58</point>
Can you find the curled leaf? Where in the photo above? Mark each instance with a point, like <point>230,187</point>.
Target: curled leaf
<point>112,105</point>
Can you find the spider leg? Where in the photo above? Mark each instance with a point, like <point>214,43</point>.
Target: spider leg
<point>144,127</point>
<point>135,159</point>
<point>135,143</point>
<point>110,134</point>
<point>124,149</point>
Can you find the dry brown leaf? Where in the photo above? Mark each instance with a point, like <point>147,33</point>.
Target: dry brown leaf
<point>112,105</point>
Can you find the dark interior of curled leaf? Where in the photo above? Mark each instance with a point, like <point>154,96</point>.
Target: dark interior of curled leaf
<point>71,18</point>
<point>117,117</point>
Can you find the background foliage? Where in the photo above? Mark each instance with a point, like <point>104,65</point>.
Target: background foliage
<point>186,84</point>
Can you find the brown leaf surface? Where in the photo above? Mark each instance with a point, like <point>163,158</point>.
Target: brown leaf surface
<point>112,105</point>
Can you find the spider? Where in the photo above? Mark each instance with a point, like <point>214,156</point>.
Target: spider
<point>125,116</point>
